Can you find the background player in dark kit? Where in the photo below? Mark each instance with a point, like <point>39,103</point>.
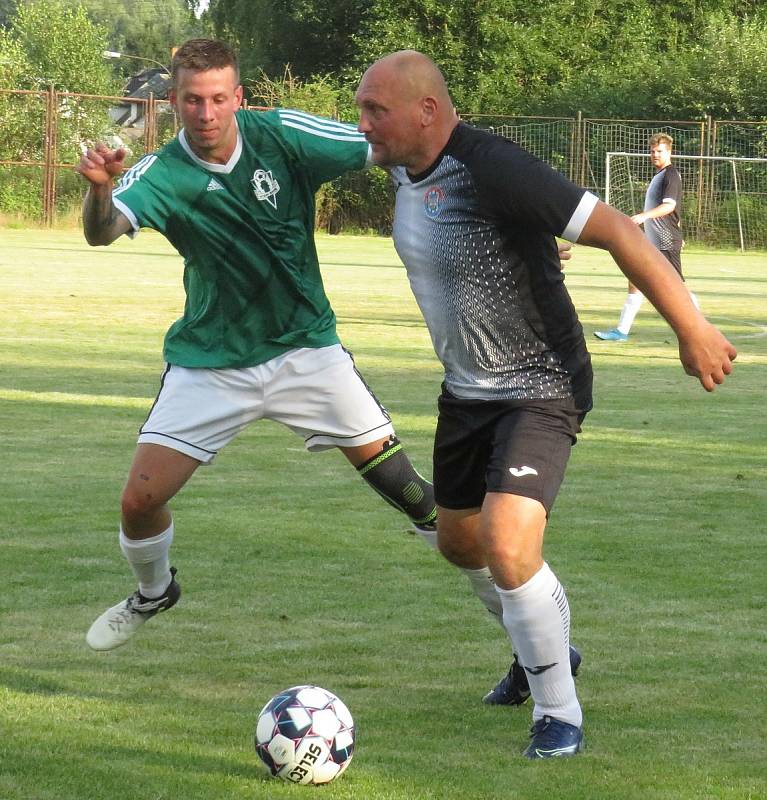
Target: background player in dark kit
<point>661,219</point>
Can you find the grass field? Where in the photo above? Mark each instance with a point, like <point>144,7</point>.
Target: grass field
<point>294,572</point>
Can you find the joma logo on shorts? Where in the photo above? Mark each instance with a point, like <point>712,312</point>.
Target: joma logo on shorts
<point>520,472</point>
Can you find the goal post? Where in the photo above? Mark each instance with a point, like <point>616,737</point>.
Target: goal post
<point>724,197</point>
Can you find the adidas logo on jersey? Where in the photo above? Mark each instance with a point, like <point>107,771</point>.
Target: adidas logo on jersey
<point>213,185</point>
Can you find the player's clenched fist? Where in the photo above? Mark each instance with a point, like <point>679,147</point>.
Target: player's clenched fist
<point>707,356</point>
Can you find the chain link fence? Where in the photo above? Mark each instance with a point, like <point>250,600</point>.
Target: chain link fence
<point>42,135</point>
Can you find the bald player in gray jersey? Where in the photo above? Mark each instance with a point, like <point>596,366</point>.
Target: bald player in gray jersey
<point>475,223</point>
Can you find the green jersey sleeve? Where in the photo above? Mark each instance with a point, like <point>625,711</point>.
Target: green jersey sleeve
<point>325,148</point>
<point>145,195</point>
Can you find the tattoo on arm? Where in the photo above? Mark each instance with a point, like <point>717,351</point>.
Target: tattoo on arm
<point>102,222</point>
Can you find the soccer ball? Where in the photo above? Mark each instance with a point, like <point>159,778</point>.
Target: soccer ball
<point>305,735</point>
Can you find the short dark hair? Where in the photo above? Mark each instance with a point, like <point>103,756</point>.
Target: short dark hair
<point>201,55</point>
<point>662,138</point>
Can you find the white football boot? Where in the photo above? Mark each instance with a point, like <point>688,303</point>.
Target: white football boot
<point>118,624</point>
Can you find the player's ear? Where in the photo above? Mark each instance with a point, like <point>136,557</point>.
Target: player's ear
<point>428,110</point>
<point>238,95</point>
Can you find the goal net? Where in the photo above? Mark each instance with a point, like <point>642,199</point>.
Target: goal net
<point>724,201</point>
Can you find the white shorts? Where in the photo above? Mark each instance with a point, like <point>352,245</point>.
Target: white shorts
<point>316,392</point>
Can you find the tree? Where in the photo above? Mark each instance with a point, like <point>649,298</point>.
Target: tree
<point>603,57</point>
<point>313,37</point>
<point>15,69</point>
<point>144,28</point>
<point>449,31</point>
<point>48,44</point>
<point>51,44</point>
<point>63,46</point>
<point>719,75</point>
<point>7,8</point>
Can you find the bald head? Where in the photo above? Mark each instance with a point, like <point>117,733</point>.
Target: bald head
<point>405,110</point>
<point>415,74</point>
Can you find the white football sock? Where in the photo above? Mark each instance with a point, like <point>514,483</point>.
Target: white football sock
<point>149,561</point>
<point>537,618</point>
<point>480,580</point>
<point>630,309</point>
<point>483,585</point>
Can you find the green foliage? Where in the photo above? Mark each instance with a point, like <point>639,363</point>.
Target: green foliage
<point>20,134</point>
<point>21,192</point>
<point>50,44</point>
<point>317,96</point>
<point>64,47</point>
<point>603,57</point>
<point>145,29</point>
<point>15,68</point>
<point>447,30</point>
<point>719,74</point>
<point>7,7</point>
<point>361,202</point>
<point>313,37</point>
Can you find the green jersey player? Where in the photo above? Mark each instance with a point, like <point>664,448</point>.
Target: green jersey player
<point>234,194</point>
<point>245,229</point>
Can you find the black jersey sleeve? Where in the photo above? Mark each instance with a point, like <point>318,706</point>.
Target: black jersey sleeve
<point>672,186</point>
<point>516,188</point>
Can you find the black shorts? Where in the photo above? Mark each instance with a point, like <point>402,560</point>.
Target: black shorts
<point>517,447</point>
<point>674,257</point>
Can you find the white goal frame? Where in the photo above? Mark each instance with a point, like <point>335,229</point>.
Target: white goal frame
<point>732,160</point>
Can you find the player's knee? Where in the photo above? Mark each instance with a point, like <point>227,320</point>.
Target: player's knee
<point>136,505</point>
<point>515,561</point>
<point>458,552</point>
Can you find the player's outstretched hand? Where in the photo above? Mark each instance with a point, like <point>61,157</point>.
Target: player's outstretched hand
<point>100,165</point>
<point>707,355</point>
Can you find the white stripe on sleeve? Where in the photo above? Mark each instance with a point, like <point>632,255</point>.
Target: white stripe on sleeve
<point>135,172</point>
<point>324,128</point>
<point>580,217</point>
<point>123,209</point>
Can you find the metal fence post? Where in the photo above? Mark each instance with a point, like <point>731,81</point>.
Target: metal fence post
<point>150,124</point>
<point>49,158</point>
<point>580,150</point>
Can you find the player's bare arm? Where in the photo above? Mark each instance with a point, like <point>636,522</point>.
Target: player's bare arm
<point>102,222</point>
<point>663,210</point>
<point>704,352</point>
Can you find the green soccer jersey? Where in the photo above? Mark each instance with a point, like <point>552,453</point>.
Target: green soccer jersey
<point>246,232</point>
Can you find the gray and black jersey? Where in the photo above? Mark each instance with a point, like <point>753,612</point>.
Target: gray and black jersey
<point>476,234</point>
<point>665,187</point>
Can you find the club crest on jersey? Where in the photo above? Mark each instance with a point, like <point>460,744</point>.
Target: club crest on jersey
<point>265,186</point>
<point>432,201</point>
